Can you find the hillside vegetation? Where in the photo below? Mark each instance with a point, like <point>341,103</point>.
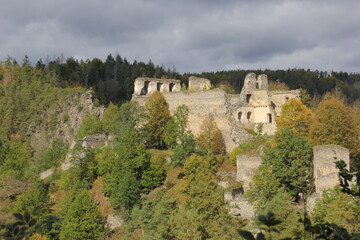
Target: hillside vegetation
<point>154,175</point>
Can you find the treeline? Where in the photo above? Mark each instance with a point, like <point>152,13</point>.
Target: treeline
<point>113,79</point>
<point>317,83</point>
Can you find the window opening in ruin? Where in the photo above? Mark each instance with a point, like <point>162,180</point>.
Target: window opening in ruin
<point>239,116</point>
<point>257,85</point>
<point>286,98</point>
<point>248,96</point>
<point>171,86</point>
<point>248,116</point>
<point>144,90</point>
<point>269,117</point>
<point>158,86</point>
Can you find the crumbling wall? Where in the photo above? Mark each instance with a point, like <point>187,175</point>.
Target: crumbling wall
<point>147,86</point>
<point>197,84</point>
<point>325,172</point>
<point>278,98</point>
<point>246,166</point>
<point>201,104</point>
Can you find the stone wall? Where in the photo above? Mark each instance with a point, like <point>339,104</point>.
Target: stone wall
<point>198,84</point>
<point>325,172</point>
<point>146,86</point>
<point>246,166</point>
<point>254,107</point>
<point>201,104</point>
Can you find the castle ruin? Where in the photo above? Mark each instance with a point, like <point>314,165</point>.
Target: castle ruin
<point>255,108</point>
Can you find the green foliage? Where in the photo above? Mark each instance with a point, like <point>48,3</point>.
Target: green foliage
<point>158,115</point>
<point>126,167</point>
<point>253,146</point>
<point>263,187</point>
<point>176,128</point>
<point>16,157</point>
<point>154,218</point>
<point>184,150</point>
<point>21,229</point>
<point>84,164</point>
<point>90,125</point>
<point>154,175</point>
<point>281,205</point>
<point>35,201</point>
<point>82,219</point>
<point>124,189</point>
<point>204,215</point>
<point>53,156</point>
<point>291,162</point>
<point>268,224</point>
<point>305,97</point>
<point>110,119</point>
<point>338,208</point>
<point>346,178</point>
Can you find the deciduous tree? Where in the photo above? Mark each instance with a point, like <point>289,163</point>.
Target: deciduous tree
<point>82,220</point>
<point>210,137</point>
<point>157,117</point>
<point>296,117</point>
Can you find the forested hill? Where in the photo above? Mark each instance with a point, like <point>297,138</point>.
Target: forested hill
<point>73,168</point>
<point>113,78</point>
<point>315,82</point>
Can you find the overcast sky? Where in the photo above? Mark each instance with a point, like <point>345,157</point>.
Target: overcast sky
<point>190,35</point>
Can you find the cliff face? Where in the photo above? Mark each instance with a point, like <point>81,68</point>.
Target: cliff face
<point>64,121</point>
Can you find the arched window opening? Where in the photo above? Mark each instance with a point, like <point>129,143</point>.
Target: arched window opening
<point>158,86</point>
<point>249,116</point>
<point>257,85</point>
<point>145,89</point>
<point>269,118</point>
<point>239,116</point>
<point>171,86</point>
<point>248,96</point>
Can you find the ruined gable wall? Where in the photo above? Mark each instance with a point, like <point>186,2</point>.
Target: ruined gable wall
<point>325,172</point>
<point>281,97</point>
<point>246,166</point>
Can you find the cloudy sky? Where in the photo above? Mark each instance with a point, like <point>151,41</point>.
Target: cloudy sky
<point>190,35</point>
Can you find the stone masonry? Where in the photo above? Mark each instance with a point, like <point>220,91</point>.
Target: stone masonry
<point>253,107</point>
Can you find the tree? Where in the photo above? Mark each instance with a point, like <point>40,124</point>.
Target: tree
<point>158,115</point>
<point>291,162</point>
<point>204,215</point>
<point>296,117</point>
<point>210,137</point>
<point>263,187</point>
<point>36,201</point>
<point>176,129</point>
<point>90,125</point>
<point>338,208</point>
<point>82,219</point>
<point>335,124</point>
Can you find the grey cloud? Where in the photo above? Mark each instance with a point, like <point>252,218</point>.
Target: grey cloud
<point>192,35</point>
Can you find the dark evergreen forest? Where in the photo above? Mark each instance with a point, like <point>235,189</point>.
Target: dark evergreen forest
<point>113,78</point>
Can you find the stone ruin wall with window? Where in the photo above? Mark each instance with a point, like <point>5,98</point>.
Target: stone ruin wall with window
<point>254,108</point>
